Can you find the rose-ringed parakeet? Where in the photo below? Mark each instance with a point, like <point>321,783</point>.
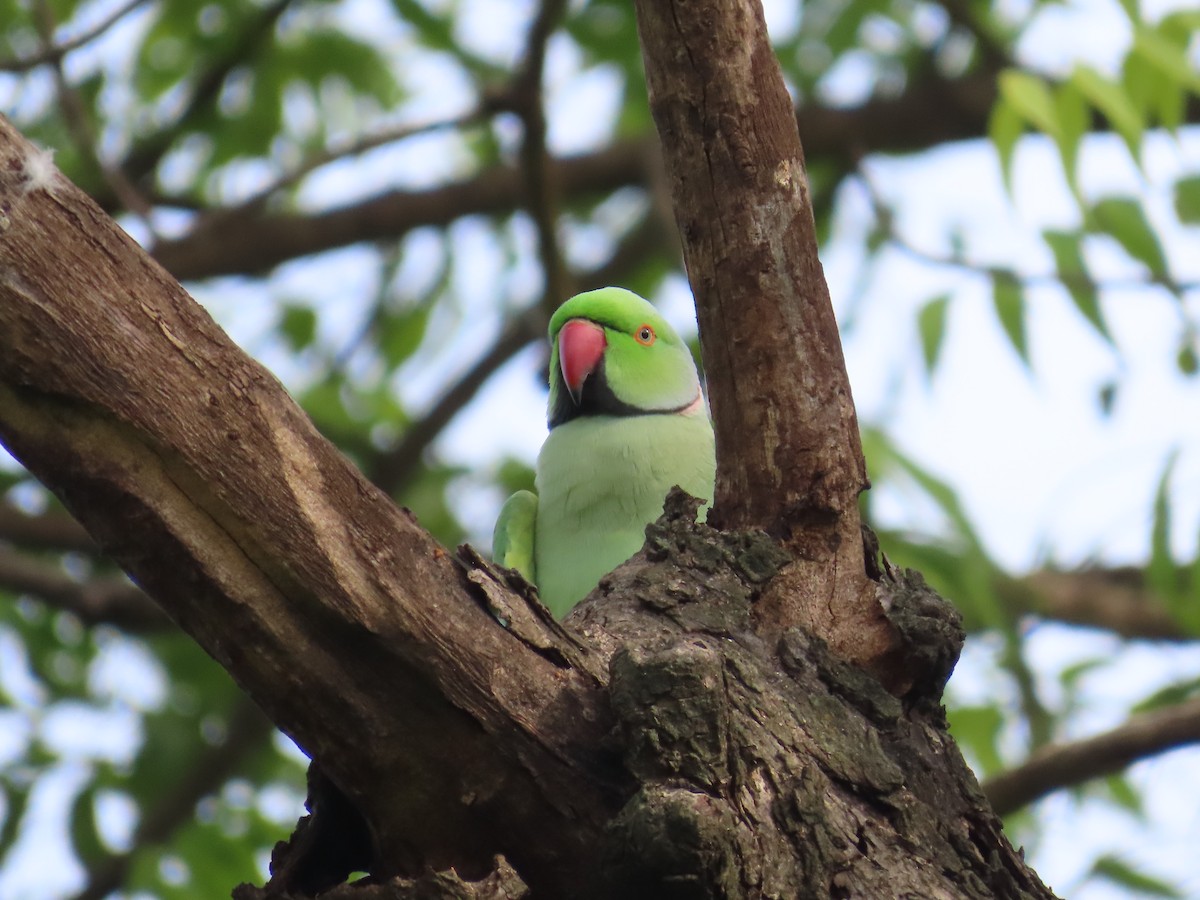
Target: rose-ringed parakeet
<point>627,423</point>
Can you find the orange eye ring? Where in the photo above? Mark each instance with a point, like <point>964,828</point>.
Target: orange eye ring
<point>645,335</point>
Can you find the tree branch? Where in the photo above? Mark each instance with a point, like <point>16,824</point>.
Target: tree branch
<point>54,52</point>
<point>541,188</point>
<point>48,531</point>
<point>665,746</point>
<point>1116,600</point>
<point>789,458</point>
<point>251,242</point>
<point>1065,765</point>
<point>193,469</point>
<point>112,601</point>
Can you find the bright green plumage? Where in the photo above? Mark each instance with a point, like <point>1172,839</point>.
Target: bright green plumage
<point>634,426</point>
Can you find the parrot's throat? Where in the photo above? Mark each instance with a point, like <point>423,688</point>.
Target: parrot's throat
<point>597,399</point>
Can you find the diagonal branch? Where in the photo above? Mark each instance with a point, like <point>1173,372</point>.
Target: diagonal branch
<point>112,600</point>
<point>1066,765</point>
<point>196,472</point>
<point>541,187</point>
<point>146,154</point>
<point>54,52</point>
<point>48,531</point>
<point>1116,600</point>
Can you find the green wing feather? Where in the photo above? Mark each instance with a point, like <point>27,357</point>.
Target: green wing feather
<point>512,539</point>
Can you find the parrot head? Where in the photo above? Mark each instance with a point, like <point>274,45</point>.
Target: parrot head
<point>612,354</point>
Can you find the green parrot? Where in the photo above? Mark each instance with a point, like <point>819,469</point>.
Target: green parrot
<point>627,423</point>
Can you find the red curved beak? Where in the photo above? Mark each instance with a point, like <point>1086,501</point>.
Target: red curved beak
<point>580,346</point>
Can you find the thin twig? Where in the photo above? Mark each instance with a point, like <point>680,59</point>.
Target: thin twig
<point>1066,765</point>
<point>541,189</point>
<point>147,153</point>
<point>886,219</point>
<point>359,146</point>
<point>75,114</point>
<point>53,53</point>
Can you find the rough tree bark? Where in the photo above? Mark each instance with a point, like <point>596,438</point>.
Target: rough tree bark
<point>690,734</point>
<point>787,436</point>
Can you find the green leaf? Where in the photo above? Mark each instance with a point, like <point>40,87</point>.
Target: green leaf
<point>1167,56</point>
<point>1152,93</point>
<point>1170,695</point>
<point>1124,220</point>
<point>16,799</point>
<point>1111,868</point>
<point>1008,299</point>
<point>1106,397</point>
<point>931,325</point>
<point>1031,98</point>
<point>85,838</point>
<point>1074,121</point>
<point>1068,260</point>
<point>1113,101</point>
<point>977,729</point>
<point>401,334</point>
<point>1162,573</point>
<point>298,324</point>
<point>1125,795</point>
<point>1132,10</point>
<point>1005,128</point>
<point>1187,200</point>
<point>1186,358</point>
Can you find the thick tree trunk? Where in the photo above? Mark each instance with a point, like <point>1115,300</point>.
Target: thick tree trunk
<point>689,735</point>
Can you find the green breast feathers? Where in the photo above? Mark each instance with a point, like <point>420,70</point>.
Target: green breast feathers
<point>627,423</point>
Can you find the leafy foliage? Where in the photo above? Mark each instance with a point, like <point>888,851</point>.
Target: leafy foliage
<point>386,155</point>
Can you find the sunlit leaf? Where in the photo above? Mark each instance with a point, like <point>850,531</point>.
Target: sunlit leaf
<point>1005,127</point>
<point>298,324</point>
<point>1008,300</point>
<point>1031,98</point>
<point>1124,220</point>
<point>978,730</point>
<point>1112,100</point>
<point>1125,795</point>
<point>1068,260</point>
<point>931,325</point>
<point>1162,573</point>
<point>1153,94</point>
<point>1168,56</point>
<point>1186,359</point>
<point>1187,200</point>
<point>1074,119</point>
<point>1112,868</point>
<point>1170,695</point>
